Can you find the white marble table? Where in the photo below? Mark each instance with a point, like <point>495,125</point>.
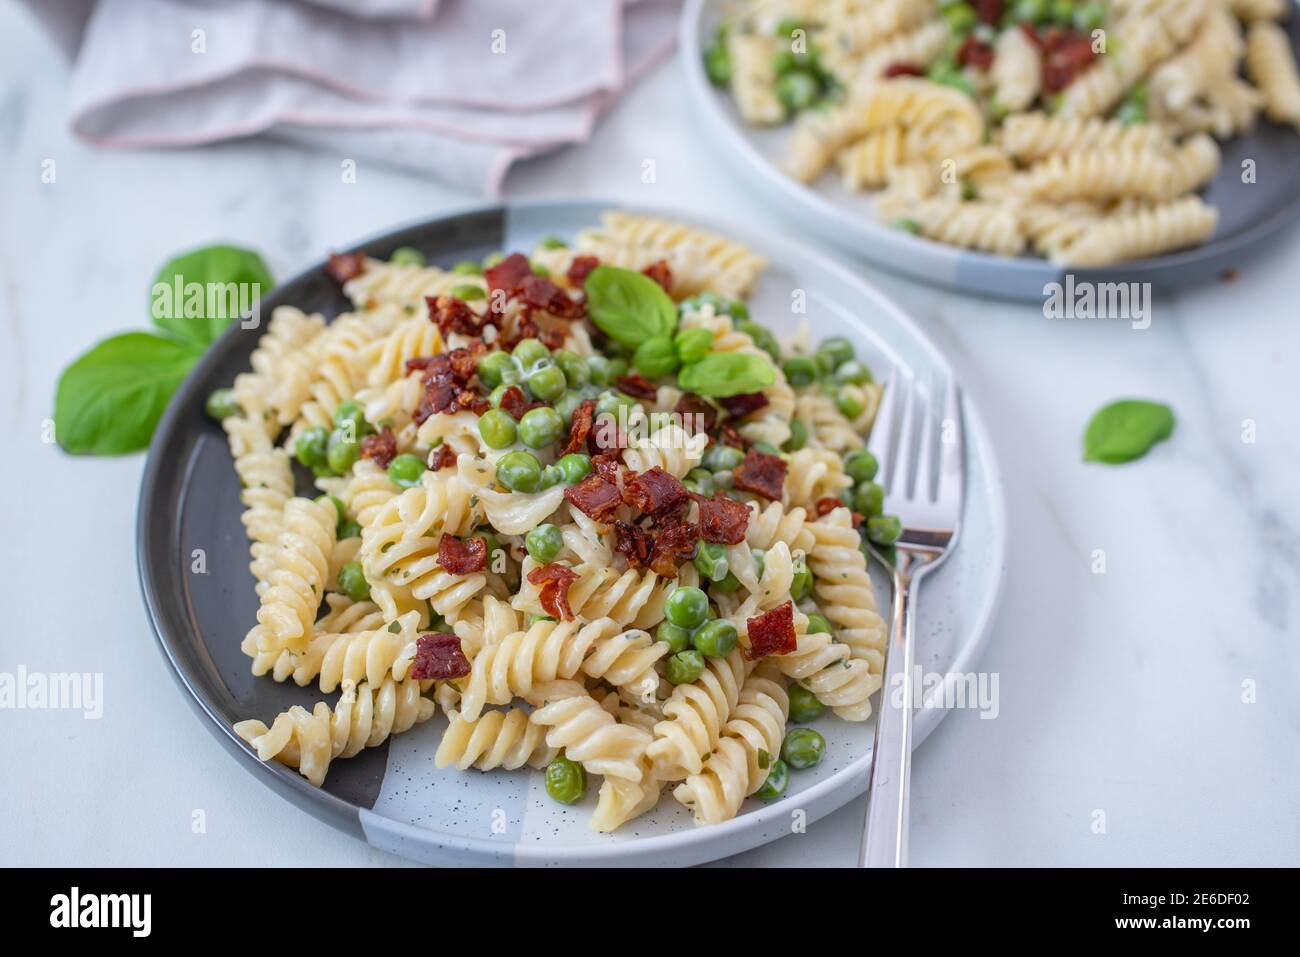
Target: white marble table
<point>1121,694</point>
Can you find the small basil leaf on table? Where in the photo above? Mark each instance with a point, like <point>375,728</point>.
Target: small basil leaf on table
<point>1126,430</point>
<point>628,307</point>
<point>109,400</point>
<point>722,374</point>
<point>198,294</point>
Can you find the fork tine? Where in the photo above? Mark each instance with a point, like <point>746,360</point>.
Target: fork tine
<point>950,451</point>
<point>881,442</point>
<point>904,475</point>
<point>924,487</point>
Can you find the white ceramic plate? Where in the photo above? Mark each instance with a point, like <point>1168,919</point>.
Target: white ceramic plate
<point>393,796</point>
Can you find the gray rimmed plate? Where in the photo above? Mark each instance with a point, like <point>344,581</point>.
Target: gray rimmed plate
<point>393,796</point>
<point>1250,213</point>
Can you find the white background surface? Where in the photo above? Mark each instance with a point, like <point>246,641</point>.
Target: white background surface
<point>1121,693</point>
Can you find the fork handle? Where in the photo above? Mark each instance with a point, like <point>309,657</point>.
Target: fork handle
<point>884,842</point>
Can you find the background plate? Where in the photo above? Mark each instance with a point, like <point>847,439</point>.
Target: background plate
<point>1249,213</point>
<point>392,796</point>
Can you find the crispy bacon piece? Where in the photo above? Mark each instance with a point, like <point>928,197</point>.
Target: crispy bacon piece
<point>508,274</point>
<point>538,292</point>
<point>728,435</point>
<point>772,633</point>
<point>1065,54</point>
<point>446,378</point>
<point>516,403</point>
<point>902,69</point>
<point>438,657</point>
<point>462,557</point>
<point>418,364</point>
<point>344,266</point>
<point>581,268</point>
<point>454,315</point>
<point>554,580</point>
<point>634,543</point>
<point>594,497</point>
<point>827,504</point>
<point>382,447</point>
<point>738,406</point>
<point>691,405</point>
<point>672,545</point>
<point>655,492</point>
<point>660,272</point>
<point>988,11</point>
<point>637,386</point>
<point>723,520</point>
<point>761,474</point>
<point>975,52</point>
<point>606,466</point>
<point>581,427</point>
<point>444,457</point>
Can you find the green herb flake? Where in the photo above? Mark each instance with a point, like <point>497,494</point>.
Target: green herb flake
<point>1126,430</point>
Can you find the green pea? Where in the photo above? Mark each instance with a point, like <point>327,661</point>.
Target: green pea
<point>1030,11</point>
<point>786,26</point>
<point>798,437</point>
<point>1131,113</point>
<point>618,367</point>
<point>467,267</point>
<point>869,499</point>
<point>221,404</point>
<point>728,584</point>
<point>493,259</point>
<point>656,357</point>
<point>540,427</point>
<point>468,292</point>
<point>340,509</point>
<point>553,242</point>
<point>608,403</point>
<point>762,338</point>
<point>711,561</point>
<point>566,781</point>
<point>804,706</point>
<point>716,639</point>
<point>723,480</point>
<point>407,256</point>
<point>692,345</point>
<point>519,471</point>
<point>723,458</point>
<point>492,368</point>
<point>1062,12</point>
<point>351,412</point>
<point>818,625</point>
<point>348,529</point>
<point>341,452</point>
<point>861,465</point>
<point>799,371</point>
<point>547,382</point>
<point>405,470</point>
<point>961,17</point>
<point>543,543</point>
<point>551,475</point>
<point>497,394</point>
<point>530,351</point>
<point>849,403</point>
<point>574,368</point>
<point>997,111</point>
<point>684,667</point>
<point>311,446</point>
<point>700,481</point>
<point>736,309</point>
<point>323,471</point>
<point>539,269</point>
<point>884,529</point>
<point>687,607</point>
<point>353,581</point>
<point>598,368</point>
<point>778,779</point>
<point>786,61</point>
<point>802,582</point>
<point>853,372</point>
<point>497,428</point>
<point>803,748</point>
<point>797,90</point>
<point>567,404</point>
<point>717,62</point>
<point>838,349</point>
<point>575,467</point>
<point>676,637</point>
<point>767,448</point>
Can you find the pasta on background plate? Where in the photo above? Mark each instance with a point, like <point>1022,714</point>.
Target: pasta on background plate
<point>988,124</point>
<point>580,502</point>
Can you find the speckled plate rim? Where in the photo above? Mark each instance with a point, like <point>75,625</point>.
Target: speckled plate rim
<point>688,846</point>
<point>1022,278</point>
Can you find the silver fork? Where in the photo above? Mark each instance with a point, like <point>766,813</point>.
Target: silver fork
<point>924,490</point>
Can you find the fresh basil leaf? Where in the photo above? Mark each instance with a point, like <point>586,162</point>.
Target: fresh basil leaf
<point>110,400</point>
<point>628,307</point>
<point>1126,430</point>
<point>198,294</point>
<point>721,374</point>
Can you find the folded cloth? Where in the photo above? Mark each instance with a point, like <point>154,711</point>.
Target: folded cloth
<point>459,89</point>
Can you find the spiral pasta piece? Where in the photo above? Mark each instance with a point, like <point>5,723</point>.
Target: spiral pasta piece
<point>814,474</point>
<point>363,656</point>
<point>670,448</point>
<point>773,522</point>
<point>1017,70</point>
<point>497,739</point>
<point>1142,232</point>
<point>826,669</point>
<point>401,285</point>
<point>842,587</point>
<point>633,597</point>
<point>510,513</point>
<point>364,717</point>
<point>1271,66</point>
<point>1036,136</point>
<point>296,585</point>
<point>693,718</point>
<point>826,426</point>
<point>591,736</point>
